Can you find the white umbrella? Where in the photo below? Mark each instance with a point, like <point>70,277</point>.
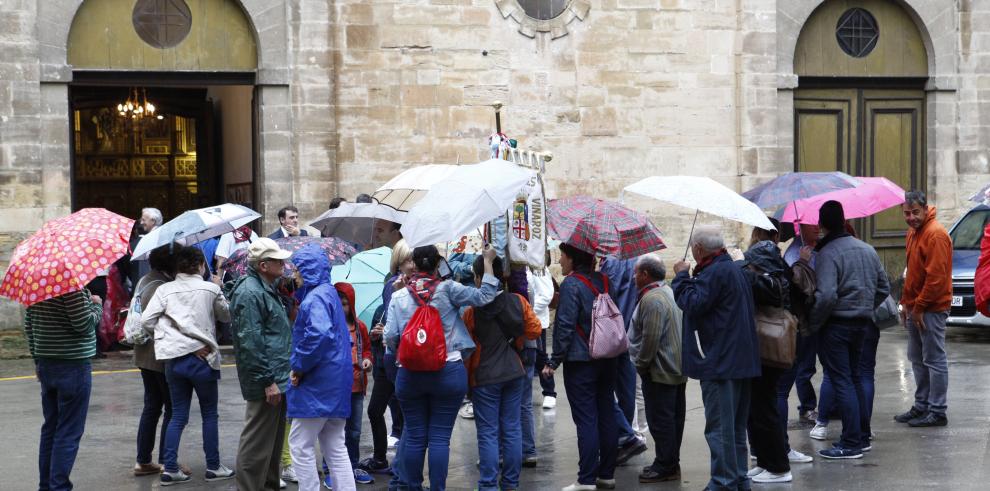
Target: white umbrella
<point>702,194</point>
<point>195,226</point>
<point>406,189</point>
<point>355,222</point>
<point>469,197</point>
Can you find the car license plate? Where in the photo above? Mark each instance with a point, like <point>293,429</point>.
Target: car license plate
<point>957,301</point>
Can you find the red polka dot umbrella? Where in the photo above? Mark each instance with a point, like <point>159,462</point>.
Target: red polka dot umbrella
<point>65,255</point>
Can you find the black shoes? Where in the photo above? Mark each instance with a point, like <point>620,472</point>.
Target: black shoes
<point>649,475</point>
<point>908,416</point>
<point>929,419</point>
<point>635,447</point>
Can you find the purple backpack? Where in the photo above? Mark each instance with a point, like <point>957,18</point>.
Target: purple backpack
<point>608,330</point>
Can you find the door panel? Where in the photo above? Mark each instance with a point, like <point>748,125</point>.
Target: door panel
<point>865,133</point>
<point>824,136</point>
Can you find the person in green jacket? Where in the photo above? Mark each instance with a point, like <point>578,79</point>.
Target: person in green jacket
<point>261,347</point>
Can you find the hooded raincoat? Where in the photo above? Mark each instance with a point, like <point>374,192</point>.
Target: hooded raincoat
<point>321,344</point>
<point>360,341</point>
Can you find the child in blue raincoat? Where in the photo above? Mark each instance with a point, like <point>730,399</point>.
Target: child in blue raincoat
<point>319,400</point>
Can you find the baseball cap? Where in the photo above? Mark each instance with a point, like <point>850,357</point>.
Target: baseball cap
<point>265,248</point>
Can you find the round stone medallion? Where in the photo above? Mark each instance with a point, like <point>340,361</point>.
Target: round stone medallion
<point>162,23</point>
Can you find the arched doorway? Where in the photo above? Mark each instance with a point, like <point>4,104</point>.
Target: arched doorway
<point>860,104</point>
<point>195,63</point>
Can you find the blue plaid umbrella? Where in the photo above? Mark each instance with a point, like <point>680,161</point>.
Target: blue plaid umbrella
<point>798,185</point>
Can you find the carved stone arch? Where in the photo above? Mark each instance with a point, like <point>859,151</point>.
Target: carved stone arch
<point>268,20</point>
<point>930,16</point>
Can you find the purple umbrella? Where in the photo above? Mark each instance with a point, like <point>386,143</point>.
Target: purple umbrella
<point>794,186</point>
<point>337,250</point>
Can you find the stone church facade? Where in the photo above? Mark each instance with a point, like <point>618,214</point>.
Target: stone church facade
<point>338,96</point>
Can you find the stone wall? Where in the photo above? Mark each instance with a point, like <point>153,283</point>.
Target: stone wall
<point>637,88</point>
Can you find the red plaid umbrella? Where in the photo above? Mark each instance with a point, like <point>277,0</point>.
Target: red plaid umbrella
<point>65,255</point>
<point>602,227</point>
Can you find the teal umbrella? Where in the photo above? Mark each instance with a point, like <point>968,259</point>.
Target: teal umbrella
<point>366,272</point>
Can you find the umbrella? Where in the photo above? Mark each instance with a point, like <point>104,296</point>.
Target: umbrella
<point>874,195</point>
<point>337,250</point>
<point>195,226</point>
<point>701,194</point>
<point>982,196</point>
<point>366,272</point>
<point>406,189</point>
<point>66,254</point>
<point>602,227</point>
<point>798,185</point>
<point>469,197</point>
<point>355,222</point>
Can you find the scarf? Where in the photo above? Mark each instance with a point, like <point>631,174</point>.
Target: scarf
<point>829,238</point>
<point>705,262</point>
<point>423,285</point>
<point>242,233</point>
<point>648,288</point>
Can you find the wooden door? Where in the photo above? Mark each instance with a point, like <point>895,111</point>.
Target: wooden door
<point>866,132</point>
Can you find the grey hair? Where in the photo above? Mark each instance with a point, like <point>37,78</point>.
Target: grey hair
<point>155,215</point>
<point>709,237</point>
<point>916,197</point>
<point>652,265</point>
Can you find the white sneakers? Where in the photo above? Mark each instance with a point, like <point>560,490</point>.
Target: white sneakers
<point>467,411</point>
<point>580,487</point>
<point>755,471</point>
<point>796,457</point>
<point>289,474</point>
<point>769,477</point>
<point>549,402</point>
<point>819,432</point>
<point>393,441</point>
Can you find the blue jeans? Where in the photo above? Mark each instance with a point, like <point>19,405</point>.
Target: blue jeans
<point>590,387</point>
<point>430,401</point>
<point>926,351</point>
<point>185,375</point>
<point>867,368</point>
<point>527,420</point>
<point>496,416</point>
<point>840,351</point>
<point>65,389</point>
<point>726,414</point>
<point>156,398</point>
<point>352,430</point>
<point>625,387</point>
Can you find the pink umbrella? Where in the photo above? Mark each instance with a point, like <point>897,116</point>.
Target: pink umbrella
<point>874,195</point>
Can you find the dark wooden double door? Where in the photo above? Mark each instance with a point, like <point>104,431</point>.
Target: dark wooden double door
<point>866,132</point>
<point>168,163</point>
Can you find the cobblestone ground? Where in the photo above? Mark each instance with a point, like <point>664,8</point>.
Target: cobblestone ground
<point>953,457</point>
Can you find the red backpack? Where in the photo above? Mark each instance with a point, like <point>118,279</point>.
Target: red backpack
<point>423,347</point>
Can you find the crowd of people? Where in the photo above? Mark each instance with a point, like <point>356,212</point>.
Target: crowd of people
<point>482,334</point>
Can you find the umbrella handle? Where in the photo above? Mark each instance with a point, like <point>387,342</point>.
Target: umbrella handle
<point>688,246</point>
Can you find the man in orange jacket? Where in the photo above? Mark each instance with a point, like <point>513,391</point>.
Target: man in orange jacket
<point>926,300</point>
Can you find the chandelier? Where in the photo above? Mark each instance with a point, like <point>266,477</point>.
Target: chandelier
<point>137,107</point>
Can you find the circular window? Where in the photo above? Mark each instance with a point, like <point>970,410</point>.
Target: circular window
<point>162,23</point>
<point>543,9</point>
<point>857,32</point>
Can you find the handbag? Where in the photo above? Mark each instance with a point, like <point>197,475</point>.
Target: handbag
<point>134,333</point>
<point>886,315</point>
<point>776,332</point>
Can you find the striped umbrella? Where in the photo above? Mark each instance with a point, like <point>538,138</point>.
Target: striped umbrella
<point>602,227</point>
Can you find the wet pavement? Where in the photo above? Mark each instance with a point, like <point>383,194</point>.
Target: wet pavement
<point>954,457</point>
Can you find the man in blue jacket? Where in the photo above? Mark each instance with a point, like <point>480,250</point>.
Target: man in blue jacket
<point>720,349</point>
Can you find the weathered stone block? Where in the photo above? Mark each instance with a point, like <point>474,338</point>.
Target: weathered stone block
<point>598,121</point>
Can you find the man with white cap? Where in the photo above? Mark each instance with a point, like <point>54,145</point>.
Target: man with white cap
<point>261,346</point>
